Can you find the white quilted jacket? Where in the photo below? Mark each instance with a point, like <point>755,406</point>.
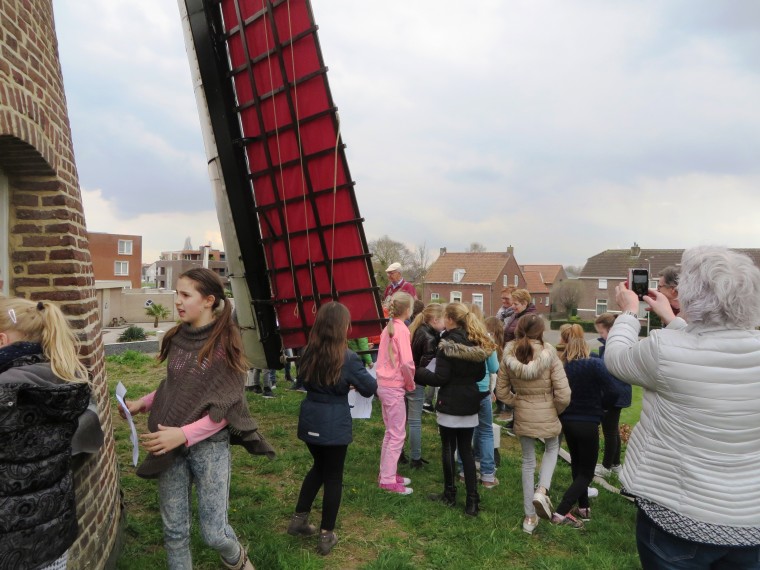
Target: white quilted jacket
<point>696,448</point>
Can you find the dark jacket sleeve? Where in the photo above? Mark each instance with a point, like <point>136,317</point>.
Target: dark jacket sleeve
<point>423,348</point>
<point>358,376</point>
<point>609,385</point>
<point>440,377</point>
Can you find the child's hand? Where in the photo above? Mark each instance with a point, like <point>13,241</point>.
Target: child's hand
<point>163,440</point>
<point>134,407</point>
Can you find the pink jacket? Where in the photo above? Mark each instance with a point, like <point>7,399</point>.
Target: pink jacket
<point>400,373</point>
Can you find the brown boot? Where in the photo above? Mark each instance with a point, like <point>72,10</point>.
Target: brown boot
<point>299,525</point>
<point>326,542</point>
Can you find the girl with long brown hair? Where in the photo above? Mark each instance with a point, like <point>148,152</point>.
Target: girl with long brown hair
<point>532,380</point>
<point>196,412</point>
<point>329,369</point>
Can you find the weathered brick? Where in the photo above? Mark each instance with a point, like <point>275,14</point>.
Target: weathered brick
<point>79,281</point>
<point>49,241</point>
<point>52,268</point>
<point>19,282</point>
<point>26,255</point>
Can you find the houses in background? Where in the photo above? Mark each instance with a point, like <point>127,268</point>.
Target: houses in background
<point>116,258</point>
<point>605,270</point>
<point>479,277</point>
<point>174,263</point>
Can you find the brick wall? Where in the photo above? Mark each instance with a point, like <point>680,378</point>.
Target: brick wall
<point>48,247</point>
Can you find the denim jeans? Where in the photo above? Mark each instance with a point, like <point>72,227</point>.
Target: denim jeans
<point>414,401</point>
<point>269,375</point>
<point>207,464</point>
<point>548,463</point>
<point>482,446</point>
<point>659,550</point>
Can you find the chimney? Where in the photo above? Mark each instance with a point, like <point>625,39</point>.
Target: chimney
<point>510,250</point>
<point>443,251</point>
<point>635,250</point>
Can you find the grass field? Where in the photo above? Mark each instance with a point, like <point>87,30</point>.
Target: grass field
<point>377,530</point>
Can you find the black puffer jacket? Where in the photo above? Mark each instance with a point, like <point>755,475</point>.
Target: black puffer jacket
<point>459,365</point>
<point>39,416</point>
<point>424,345</point>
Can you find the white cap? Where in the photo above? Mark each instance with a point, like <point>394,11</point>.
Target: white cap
<point>393,267</point>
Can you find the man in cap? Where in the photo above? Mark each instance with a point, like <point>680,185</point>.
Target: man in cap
<point>397,283</point>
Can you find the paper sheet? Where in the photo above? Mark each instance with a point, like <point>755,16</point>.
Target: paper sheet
<point>121,391</point>
<point>361,407</point>
<point>431,365</point>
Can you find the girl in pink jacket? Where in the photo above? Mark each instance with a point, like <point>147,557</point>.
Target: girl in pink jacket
<point>395,376</point>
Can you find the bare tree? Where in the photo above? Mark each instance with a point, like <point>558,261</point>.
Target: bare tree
<point>567,294</point>
<point>418,267</point>
<point>385,251</point>
<point>476,247</point>
<point>573,271</point>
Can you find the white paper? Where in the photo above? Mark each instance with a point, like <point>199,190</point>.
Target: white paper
<point>361,407</point>
<point>431,366</point>
<point>121,391</point>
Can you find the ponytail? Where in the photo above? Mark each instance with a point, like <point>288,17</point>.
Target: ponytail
<point>399,304</point>
<point>529,327</point>
<point>44,323</point>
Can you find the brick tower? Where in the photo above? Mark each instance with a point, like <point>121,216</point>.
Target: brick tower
<point>47,248</point>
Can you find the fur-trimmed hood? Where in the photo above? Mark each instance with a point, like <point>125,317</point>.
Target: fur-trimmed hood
<point>453,348</point>
<point>541,362</point>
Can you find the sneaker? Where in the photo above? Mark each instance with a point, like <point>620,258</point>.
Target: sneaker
<point>567,520</point>
<point>268,393</point>
<point>592,492</point>
<point>543,505</point>
<point>616,469</point>
<point>489,484</point>
<point>582,514</point>
<point>428,408</point>
<point>462,478</point>
<point>530,524</point>
<point>403,480</point>
<point>299,525</point>
<point>418,463</point>
<point>257,390</point>
<point>601,471</point>
<point>398,488</point>
<point>326,542</point>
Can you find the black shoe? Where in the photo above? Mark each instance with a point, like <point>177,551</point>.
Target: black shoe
<point>257,390</point>
<point>418,463</point>
<point>446,498</point>
<point>268,393</point>
<point>472,506</point>
<point>403,459</point>
<point>428,408</point>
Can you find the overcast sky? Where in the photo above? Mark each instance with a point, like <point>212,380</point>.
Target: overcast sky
<point>563,128</point>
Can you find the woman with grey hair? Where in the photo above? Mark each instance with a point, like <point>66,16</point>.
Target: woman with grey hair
<point>692,459</point>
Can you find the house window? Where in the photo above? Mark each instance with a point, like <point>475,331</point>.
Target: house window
<point>125,247</point>
<point>434,296</point>
<point>516,280</point>
<point>653,283</point>
<point>3,233</point>
<point>121,268</point>
<point>505,281</point>
<point>459,275</point>
<point>455,297</point>
<point>601,306</point>
<point>547,301</point>
<point>602,284</point>
<point>477,299</point>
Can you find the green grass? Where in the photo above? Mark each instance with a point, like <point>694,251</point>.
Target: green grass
<point>377,530</point>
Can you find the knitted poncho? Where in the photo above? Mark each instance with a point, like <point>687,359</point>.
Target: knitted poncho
<point>192,390</point>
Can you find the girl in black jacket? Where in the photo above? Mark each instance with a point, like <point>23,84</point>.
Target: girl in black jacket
<point>459,365</point>
<point>329,370</point>
<point>426,332</point>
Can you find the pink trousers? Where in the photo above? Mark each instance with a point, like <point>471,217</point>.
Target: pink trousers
<point>394,418</point>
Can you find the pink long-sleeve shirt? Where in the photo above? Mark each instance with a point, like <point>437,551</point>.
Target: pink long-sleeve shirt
<point>400,372</point>
<point>198,430</point>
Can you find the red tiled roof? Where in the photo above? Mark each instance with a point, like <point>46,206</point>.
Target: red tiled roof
<point>534,283</point>
<point>548,272</point>
<point>480,267</point>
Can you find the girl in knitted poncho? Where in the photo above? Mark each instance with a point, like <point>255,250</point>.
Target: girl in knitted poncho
<point>196,412</point>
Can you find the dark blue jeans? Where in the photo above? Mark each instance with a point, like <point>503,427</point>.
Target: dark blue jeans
<point>659,550</point>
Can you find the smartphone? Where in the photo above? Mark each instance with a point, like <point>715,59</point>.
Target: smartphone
<point>638,282</point>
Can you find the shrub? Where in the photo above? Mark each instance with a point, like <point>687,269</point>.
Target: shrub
<point>131,334</point>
